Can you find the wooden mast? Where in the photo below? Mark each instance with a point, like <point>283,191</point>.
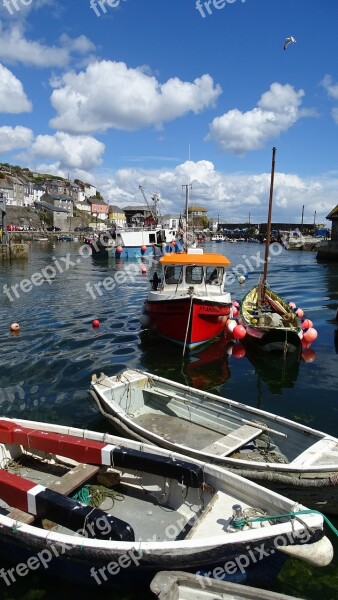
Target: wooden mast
<point>268,229</point>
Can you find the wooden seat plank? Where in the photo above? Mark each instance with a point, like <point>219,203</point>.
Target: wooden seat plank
<point>233,441</point>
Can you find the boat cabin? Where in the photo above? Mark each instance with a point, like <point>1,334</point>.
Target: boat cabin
<point>194,270</point>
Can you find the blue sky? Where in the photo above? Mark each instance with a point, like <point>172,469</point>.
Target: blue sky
<point>159,93</point>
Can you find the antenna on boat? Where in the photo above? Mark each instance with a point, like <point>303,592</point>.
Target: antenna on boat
<point>268,228</point>
<point>186,186</point>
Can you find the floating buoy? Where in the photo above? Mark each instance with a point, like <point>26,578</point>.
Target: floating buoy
<point>96,323</point>
<point>239,332</point>
<point>143,249</point>
<point>231,324</point>
<point>15,327</point>
<point>241,279</point>
<point>300,313</point>
<point>143,270</point>
<point>235,303</point>
<point>238,350</point>
<point>307,323</point>
<point>309,355</point>
<point>310,335</point>
<point>119,249</point>
<point>292,305</point>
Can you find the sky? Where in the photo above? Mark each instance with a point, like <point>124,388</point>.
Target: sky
<point>170,93</point>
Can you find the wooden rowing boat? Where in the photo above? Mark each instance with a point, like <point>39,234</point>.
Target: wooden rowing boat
<point>279,453</point>
<point>154,509</point>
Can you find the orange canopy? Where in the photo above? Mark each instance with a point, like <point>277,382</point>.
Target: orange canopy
<point>211,259</point>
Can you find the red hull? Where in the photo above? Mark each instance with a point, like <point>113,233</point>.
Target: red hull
<point>184,321</point>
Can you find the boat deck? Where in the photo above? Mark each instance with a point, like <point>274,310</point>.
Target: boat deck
<point>131,500</point>
<point>177,430</point>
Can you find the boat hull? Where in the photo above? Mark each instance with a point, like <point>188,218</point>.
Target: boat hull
<point>190,320</point>
<point>271,325</point>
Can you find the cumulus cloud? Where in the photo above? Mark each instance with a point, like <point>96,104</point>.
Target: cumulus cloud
<point>12,96</point>
<point>110,95</point>
<point>69,152</point>
<point>277,110</point>
<point>15,137</point>
<point>16,48</point>
<point>231,196</point>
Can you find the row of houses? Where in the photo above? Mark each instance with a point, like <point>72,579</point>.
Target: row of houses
<point>20,190</point>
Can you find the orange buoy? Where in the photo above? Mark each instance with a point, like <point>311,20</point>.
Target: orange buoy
<point>300,312</point>
<point>307,323</point>
<point>15,327</point>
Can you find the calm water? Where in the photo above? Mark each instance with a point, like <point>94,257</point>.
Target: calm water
<point>46,369</point>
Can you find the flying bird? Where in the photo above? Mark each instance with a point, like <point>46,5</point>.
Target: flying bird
<point>289,40</point>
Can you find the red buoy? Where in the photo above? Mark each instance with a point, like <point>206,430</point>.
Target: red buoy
<point>238,350</point>
<point>239,332</point>
<point>96,323</point>
<point>310,335</point>
<point>307,323</point>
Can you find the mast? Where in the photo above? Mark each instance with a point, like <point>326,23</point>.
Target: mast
<point>268,229</point>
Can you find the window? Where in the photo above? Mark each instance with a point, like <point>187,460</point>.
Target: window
<point>214,275</point>
<point>173,275</point>
<point>194,275</point>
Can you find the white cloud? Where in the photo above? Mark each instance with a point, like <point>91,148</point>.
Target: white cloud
<point>277,110</point>
<point>15,137</point>
<point>69,152</point>
<point>12,96</point>
<point>331,88</point>
<point>15,48</point>
<point>231,196</point>
<point>111,95</point>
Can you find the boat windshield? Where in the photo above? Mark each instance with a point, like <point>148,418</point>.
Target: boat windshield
<point>214,275</point>
<point>173,274</point>
<point>194,274</point>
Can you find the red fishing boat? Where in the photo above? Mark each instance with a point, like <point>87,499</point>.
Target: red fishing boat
<point>187,303</point>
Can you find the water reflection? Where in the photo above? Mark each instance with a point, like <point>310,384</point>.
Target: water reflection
<point>204,369</point>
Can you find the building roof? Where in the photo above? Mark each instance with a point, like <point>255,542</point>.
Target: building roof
<point>195,208</point>
<point>333,214</point>
<point>116,209</point>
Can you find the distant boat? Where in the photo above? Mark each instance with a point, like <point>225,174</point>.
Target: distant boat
<point>177,585</point>
<point>266,448</point>
<point>217,237</point>
<point>103,510</point>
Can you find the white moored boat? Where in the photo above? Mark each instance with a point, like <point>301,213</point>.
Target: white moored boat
<point>271,450</point>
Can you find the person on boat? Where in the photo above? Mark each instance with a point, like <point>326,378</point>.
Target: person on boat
<point>213,279</point>
<point>155,281</point>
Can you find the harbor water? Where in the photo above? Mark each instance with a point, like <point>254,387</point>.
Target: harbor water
<point>47,366</point>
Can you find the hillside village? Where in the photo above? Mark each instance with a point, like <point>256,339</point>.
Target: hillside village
<point>37,200</point>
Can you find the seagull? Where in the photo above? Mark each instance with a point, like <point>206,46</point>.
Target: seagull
<point>288,41</point>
